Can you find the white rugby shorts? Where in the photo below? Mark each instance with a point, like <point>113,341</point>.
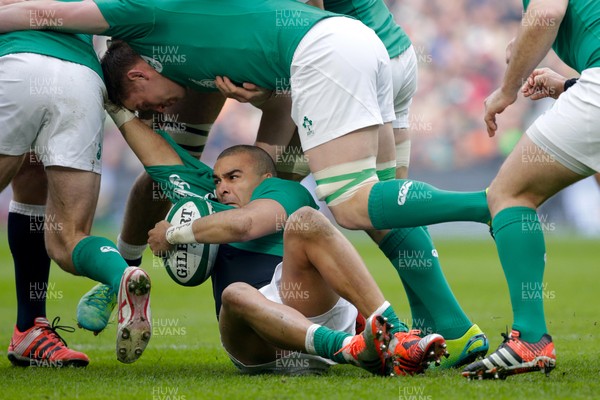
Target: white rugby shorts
<point>404,83</point>
<point>52,107</point>
<point>341,81</point>
<point>570,129</point>
<point>342,317</point>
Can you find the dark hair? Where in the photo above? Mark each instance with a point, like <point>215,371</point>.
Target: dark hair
<point>117,60</point>
<point>263,163</point>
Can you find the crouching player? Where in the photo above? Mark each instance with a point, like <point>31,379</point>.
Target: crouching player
<point>254,206</point>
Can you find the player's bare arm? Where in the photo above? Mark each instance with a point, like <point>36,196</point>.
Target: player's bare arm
<point>77,17</point>
<point>149,147</point>
<point>7,2</point>
<point>256,219</point>
<point>539,28</point>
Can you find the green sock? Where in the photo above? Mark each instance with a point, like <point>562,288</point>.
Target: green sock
<point>421,318</point>
<point>404,203</point>
<point>520,243</point>
<point>327,342</point>
<point>412,253</point>
<point>392,318</point>
<point>98,259</point>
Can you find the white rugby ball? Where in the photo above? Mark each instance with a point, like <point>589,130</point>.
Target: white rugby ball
<point>190,264</point>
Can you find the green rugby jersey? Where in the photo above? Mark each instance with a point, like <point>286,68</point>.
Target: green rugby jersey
<point>578,39</point>
<point>64,46</point>
<point>194,179</point>
<point>193,41</point>
<point>375,15</point>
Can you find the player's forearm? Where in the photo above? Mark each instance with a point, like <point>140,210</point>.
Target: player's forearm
<point>224,227</point>
<point>276,127</point>
<point>74,17</point>
<point>149,147</point>
<point>15,17</point>
<point>7,2</point>
<point>539,28</point>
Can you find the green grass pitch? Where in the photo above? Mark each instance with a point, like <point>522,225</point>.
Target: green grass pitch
<point>185,361</point>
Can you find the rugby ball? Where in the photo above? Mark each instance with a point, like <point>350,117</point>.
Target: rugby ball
<point>190,264</point>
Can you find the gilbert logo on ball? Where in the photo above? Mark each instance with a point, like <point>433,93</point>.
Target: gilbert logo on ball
<point>190,264</point>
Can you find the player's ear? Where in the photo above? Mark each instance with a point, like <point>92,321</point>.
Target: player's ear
<point>137,74</point>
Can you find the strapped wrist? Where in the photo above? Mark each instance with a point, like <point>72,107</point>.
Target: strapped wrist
<point>181,234</point>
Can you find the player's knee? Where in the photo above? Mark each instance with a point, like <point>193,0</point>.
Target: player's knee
<point>307,223</point>
<point>235,296</point>
<point>351,215</point>
<point>499,197</point>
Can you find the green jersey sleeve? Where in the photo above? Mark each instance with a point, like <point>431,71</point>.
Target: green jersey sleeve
<point>291,195</point>
<point>192,179</point>
<point>127,18</point>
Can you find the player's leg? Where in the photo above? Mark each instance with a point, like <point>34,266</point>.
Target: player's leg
<point>319,266</point>
<point>21,116</point>
<point>70,146</point>
<point>514,195</point>
<point>26,241</point>
<point>412,251</point>
<point>9,166</point>
<point>253,328</point>
<point>267,326</point>
<point>341,142</point>
<point>32,267</point>
<point>72,198</point>
<point>145,206</point>
<point>560,148</point>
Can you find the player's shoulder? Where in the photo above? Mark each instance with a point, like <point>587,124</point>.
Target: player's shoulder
<point>275,183</point>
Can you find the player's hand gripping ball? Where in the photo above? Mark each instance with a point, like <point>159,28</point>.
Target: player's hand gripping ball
<point>190,264</point>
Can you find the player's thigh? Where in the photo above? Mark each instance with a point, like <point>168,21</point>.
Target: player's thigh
<point>402,145</point>
<point>240,340</point>
<point>30,185</point>
<point>386,152</point>
<point>528,181</point>
<point>300,283</point>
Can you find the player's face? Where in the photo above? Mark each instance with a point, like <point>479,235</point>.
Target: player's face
<point>155,94</point>
<point>235,178</point>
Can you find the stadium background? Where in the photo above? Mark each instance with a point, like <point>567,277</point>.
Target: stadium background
<point>460,47</point>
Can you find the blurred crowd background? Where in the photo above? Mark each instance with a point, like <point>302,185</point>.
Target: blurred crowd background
<point>460,46</point>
